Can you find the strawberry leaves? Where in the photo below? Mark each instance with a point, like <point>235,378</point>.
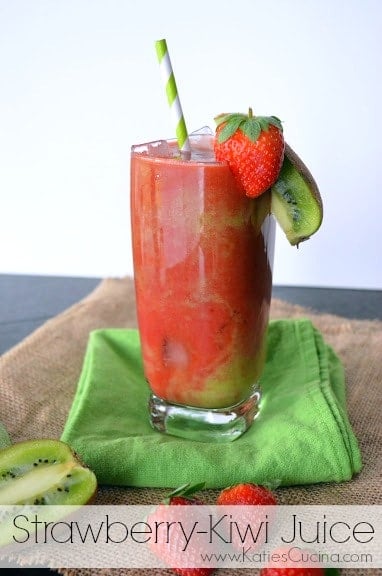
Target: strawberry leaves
<point>250,125</point>
<point>233,123</point>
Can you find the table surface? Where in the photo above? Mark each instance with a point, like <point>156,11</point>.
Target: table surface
<point>26,302</point>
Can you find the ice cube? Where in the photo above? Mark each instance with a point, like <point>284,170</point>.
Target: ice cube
<point>202,145</point>
<point>159,148</point>
<point>205,130</point>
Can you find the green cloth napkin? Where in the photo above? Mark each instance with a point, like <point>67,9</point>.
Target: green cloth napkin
<point>301,436</point>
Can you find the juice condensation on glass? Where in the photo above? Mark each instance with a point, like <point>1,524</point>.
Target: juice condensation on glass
<point>203,256</point>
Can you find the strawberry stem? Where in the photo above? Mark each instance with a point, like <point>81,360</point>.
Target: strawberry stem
<point>185,490</point>
<point>250,113</point>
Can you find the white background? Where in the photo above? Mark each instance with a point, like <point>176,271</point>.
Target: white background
<point>79,83</point>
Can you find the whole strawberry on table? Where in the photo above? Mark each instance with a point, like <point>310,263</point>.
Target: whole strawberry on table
<point>182,496</point>
<point>243,494</point>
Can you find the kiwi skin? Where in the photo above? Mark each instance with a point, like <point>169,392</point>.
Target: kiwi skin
<point>296,200</point>
<point>45,471</point>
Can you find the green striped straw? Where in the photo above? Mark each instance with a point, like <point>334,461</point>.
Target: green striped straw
<point>173,98</point>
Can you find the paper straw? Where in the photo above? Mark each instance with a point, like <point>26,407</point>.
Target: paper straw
<point>173,97</point>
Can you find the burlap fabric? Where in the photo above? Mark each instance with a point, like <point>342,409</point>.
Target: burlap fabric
<point>38,379</point>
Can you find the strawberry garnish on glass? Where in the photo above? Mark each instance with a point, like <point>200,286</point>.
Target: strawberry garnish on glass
<point>253,147</point>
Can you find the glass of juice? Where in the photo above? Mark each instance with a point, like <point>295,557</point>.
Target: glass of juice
<point>203,255</point>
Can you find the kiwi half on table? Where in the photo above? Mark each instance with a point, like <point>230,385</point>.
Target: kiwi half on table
<point>295,199</point>
<point>44,477</point>
<point>38,472</point>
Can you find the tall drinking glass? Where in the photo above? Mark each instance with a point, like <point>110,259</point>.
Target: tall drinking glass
<point>203,256</point>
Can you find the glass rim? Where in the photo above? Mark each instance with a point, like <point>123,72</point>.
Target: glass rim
<point>199,143</point>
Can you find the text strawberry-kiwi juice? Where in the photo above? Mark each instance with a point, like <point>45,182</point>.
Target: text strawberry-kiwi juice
<point>203,255</point>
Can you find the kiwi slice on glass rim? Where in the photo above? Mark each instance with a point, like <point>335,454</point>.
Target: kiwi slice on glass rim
<point>295,199</point>
<point>39,472</point>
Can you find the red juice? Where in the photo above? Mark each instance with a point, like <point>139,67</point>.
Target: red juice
<point>203,256</point>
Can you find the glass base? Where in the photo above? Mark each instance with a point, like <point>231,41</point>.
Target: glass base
<point>201,424</point>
